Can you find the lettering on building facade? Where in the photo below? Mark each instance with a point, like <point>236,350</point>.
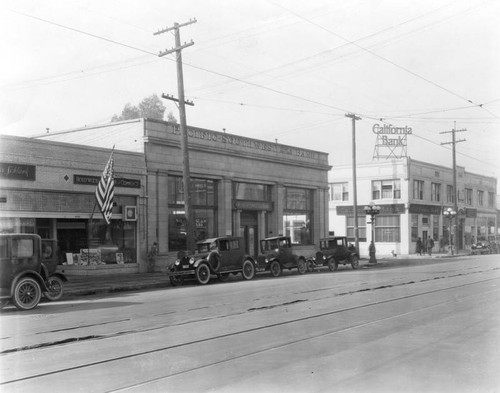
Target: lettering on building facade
<point>235,140</point>
<point>94,180</point>
<point>17,171</point>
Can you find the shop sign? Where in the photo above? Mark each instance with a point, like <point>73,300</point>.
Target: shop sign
<point>17,171</point>
<point>94,180</point>
<point>425,209</point>
<point>398,134</point>
<point>470,213</point>
<point>253,205</point>
<point>396,208</point>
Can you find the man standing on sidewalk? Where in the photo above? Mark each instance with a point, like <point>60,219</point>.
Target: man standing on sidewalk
<point>429,244</point>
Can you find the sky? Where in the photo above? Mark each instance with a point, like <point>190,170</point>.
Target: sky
<point>284,70</point>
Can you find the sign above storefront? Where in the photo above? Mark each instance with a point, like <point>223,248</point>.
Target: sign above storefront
<point>397,208</point>
<point>425,209</point>
<point>253,205</point>
<point>94,180</point>
<point>17,171</point>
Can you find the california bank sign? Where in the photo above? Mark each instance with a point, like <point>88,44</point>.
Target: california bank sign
<point>388,135</point>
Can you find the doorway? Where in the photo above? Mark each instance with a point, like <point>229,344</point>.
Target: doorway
<point>249,232</point>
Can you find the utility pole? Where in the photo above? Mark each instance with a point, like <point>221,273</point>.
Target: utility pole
<point>190,240</point>
<point>455,191</point>
<point>354,182</point>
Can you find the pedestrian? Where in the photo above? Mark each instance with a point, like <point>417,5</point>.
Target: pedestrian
<point>418,247</point>
<point>442,244</point>
<point>429,245</point>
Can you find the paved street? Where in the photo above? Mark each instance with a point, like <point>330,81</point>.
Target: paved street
<point>432,326</point>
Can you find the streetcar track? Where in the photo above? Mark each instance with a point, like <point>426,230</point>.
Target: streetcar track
<point>190,321</point>
<point>255,329</point>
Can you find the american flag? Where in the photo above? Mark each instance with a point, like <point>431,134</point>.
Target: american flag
<point>105,190</point>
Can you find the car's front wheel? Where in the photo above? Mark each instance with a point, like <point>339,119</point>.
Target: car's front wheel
<point>248,270</point>
<point>176,280</point>
<point>275,268</point>
<point>302,266</point>
<point>27,293</point>
<point>203,274</point>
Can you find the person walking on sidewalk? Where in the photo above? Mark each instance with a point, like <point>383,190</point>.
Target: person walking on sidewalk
<point>418,247</point>
<point>429,244</point>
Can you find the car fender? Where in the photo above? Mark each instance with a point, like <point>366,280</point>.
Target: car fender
<point>250,258</point>
<point>30,273</point>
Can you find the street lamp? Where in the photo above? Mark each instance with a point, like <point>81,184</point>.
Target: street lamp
<point>450,214</point>
<point>372,210</point>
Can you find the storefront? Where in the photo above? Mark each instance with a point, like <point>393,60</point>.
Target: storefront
<point>48,188</point>
<point>239,186</point>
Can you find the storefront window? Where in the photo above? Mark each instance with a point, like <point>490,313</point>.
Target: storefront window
<point>361,228</point>
<point>297,215</point>
<point>203,201</point>
<point>81,242</point>
<point>202,191</point>
<point>298,227</point>
<point>204,221</point>
<point>387,229</point>
<point>250,191</point>
<point>414,227</point>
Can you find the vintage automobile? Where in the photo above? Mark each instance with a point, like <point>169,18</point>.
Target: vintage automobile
<point>219,256</point>
<point>334,251</point>
<point>277,254</point>
<point>21,279</point>
<point>481,247</point>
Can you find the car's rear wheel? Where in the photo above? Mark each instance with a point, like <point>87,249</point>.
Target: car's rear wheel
<point>248,270</point>
<point>203,274</point>
<point>275,268</point>
<point>27,294</point>
<point>55,288</point>
<point>354,262</point>
<point>302,266</point>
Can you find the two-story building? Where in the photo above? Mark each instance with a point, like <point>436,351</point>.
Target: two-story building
<point>412,196</point>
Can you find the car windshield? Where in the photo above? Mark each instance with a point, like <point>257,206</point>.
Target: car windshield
<point>206,247</point>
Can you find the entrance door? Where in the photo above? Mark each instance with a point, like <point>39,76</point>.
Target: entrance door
<point>249,232</point>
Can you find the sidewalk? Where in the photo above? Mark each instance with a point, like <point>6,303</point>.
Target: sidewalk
<point>95,285</point>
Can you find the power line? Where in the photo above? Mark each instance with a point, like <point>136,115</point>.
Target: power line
<point>375,54</point>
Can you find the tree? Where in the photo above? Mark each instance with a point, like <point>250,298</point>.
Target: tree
<point>150,107</point>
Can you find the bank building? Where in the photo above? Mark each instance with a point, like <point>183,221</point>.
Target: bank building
<point>239,186</point>
<point>413,197</point>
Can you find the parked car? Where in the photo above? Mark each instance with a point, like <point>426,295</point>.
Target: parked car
<point>334,251</point>
<point>21,278</point>
<point>219,257</point>
<point>481,247</point>
<point>277,254</point>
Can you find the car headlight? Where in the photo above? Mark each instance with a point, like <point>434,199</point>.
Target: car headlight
<point>177,262</point>
<point>267,260</point>
<point>191,260</point>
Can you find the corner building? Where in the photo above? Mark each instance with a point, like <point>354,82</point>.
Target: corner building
<point>412,196</point>
<point>239,186</point>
